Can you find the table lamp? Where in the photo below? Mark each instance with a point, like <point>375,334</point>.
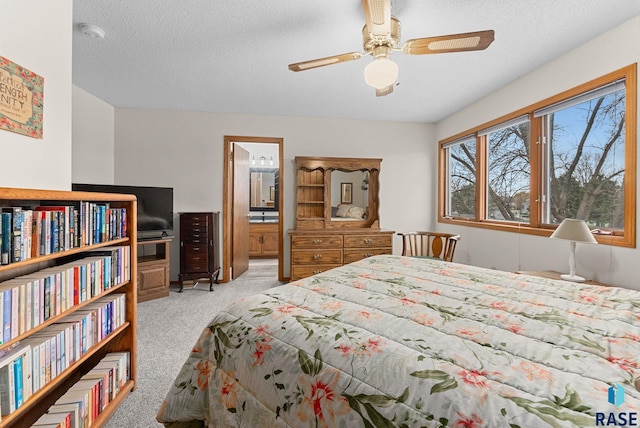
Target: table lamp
<point>574,231</point>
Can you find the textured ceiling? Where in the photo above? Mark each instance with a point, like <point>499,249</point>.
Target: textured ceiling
<point>232,55</point>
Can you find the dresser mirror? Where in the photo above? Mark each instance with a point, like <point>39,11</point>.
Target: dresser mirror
<point>349,195</point>
<point>263,189</point>
<point>335,193</point>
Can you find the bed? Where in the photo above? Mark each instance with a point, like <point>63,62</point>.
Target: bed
<point>393,341</point>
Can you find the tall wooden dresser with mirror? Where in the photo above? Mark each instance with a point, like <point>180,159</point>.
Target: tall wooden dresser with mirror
<point>337,218</point>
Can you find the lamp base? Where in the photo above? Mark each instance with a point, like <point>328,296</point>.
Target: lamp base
<point>574,278</point>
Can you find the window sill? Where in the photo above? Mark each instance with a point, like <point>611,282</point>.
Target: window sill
<point>617,241</point>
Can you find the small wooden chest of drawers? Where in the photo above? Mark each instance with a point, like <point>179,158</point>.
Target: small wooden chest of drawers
<point>315,251</point>
<point>198,252</point>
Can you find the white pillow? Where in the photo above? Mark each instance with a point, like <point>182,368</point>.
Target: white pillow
<point>355,212</point>
<point>342,210</point>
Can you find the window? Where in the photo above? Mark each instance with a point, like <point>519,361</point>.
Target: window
<point>461,200</point>
<point>571,156</point>
<point>584,156</point>
<point>509,171</point>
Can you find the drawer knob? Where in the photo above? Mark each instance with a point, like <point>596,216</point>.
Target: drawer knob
<point>317,241</point>
<point>317,256</point>
<point>368,254</point>
<point>367,241</point>
<point>316,272</point>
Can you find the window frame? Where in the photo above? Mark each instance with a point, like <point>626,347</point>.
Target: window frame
<point>626,238</point>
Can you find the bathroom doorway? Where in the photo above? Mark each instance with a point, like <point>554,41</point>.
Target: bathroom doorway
<point>253,205</point>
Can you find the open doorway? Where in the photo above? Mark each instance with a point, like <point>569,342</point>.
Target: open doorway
<point>253,204</point>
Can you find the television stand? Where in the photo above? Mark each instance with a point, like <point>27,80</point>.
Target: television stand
<point>153,268</point>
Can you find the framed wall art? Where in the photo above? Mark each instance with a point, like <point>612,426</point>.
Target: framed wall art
<point>21,99</point>
<point>346,191</point>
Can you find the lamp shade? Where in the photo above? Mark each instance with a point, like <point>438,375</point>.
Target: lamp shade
<point>380,73</point>
<point>574,230</point>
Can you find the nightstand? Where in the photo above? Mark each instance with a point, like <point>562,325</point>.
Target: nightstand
<point>552,274</point>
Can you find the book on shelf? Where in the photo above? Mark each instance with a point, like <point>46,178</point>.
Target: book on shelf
<point>79,397</point>
<point>13,217</point>
<point>5,248</point>
<point>10,315</point>
<point>6,313</point>
<point>14,364</point>
<point>74,409</point>
<point>64,217</point>
<point>58,420</point>
<point>116,256</point>
<point>21,317</point>
<point>122,368</point>
<point>25,224</point>
<point>38,358</point>
<point>103,378</point>
<point>92,388</point>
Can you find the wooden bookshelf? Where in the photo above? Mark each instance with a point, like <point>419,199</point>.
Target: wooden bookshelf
<point>120,339</point>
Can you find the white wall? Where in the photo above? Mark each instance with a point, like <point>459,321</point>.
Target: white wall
<point>92,136</point>
<point>184,150</point>
<point>36,34</point>
<point>611,51</point>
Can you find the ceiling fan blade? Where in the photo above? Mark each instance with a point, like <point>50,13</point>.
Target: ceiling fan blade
<point>377,14</point>
<point>321,62</point>
<point>384,91</point>
<point>452,43</point>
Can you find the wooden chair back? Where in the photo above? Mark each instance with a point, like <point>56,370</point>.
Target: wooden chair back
<point>429,244</point>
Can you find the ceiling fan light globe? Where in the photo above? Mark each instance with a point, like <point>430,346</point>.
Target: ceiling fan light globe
<point>381,73</point>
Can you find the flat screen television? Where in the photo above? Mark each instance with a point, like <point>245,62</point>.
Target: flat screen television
<point>155,207</point>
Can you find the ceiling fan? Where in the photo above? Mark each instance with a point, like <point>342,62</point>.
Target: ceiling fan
<point>381,36</point>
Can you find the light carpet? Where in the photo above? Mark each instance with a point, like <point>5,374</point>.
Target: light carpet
<point>167,330</point>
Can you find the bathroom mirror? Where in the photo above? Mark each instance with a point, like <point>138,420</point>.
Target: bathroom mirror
<point>263,189</point>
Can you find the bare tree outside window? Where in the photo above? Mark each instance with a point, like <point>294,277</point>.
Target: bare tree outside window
<point>509,173</point>
<point>586,155</point>
<point>462,179</point>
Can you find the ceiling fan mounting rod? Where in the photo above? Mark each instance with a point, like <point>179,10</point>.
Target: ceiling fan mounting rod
<point>371,41</point>
<point>381,51</point>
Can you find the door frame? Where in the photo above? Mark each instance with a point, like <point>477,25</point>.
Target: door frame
<point>227,223</point>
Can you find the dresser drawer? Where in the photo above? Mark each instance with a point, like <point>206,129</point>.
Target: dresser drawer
<point>198,229</point>
<point>197,238</point>
<point>190,249</point>
<point>316,241</point>
<point>299,272</point>
<point>196,266</point>
<point>363,241</point>
<point>197,257</point>
<point>195,218</point>
<point>355,255</point>
<point>320,256</point>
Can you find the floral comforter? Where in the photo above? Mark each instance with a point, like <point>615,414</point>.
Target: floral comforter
<point>393,341</point>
